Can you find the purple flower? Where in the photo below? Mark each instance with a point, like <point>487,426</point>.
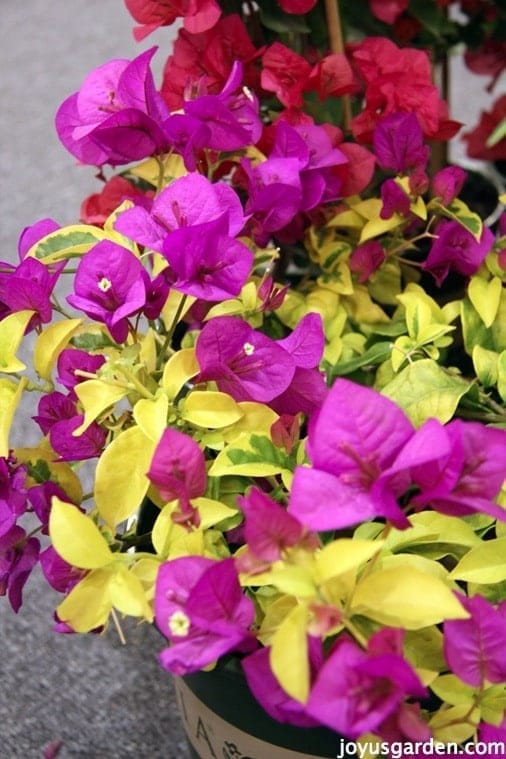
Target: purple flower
<point>53,408</point>
<point>474,647</point>
<point>40,498</point>
<point>353,442</point>
<point>70,447</point>
<point>269,693</point>
<point>394,199</point>
<point>13,494</point>
<point>456,248</point>
<point>187,201</point>
<point>447,183</point>
<point>356,690</point>
<point>32,234</point>
<point>28,286</point>
<point>366,259</point>
<point>178,467</point>
<point>117,115</point>
<point>60,575</point>
<point>72,359</point>
<point>232,116</point>
<point>110,285</point>
<point>201,608</point>
<point>205,262</point>
<point>188,136</point>
<point>398,143</point>
<point>469,473</point>
<point>18,556</point>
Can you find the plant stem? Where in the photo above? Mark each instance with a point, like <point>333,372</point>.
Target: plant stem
<point>170,333</point>
<point>336,44</point>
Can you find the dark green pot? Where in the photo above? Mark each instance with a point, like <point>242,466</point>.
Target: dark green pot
<point>222,720</point>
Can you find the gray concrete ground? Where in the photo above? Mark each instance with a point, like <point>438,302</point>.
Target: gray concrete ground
<point>102,700</point>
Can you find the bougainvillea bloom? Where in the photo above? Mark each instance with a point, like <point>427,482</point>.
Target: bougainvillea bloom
<point>110,285</point>
<point>35,232</point>
<point>205,262</point>
<point>116,116</point>
<point>394,199</point>
<point>455,248</point>
<point>399,144</point>
<point>29,286</point>
<point>388,10</point>
<point>331,77</point>
<point>178,468</point>
<point>60,575</point>
<point>297,6</point>
<point>71,360</point>
<point>197,15</point>
<point>477,138</point>
<point>285,73</point>
<point>96,208</point>
<point>203,62</point>
<point>201,609</point>
<point>366,258</point>
<point>188,201</point>
<point>356,690</point>
<point>18,556</point>
<point>70,447</point>
<point>474,647</point>
<point>447,183</point>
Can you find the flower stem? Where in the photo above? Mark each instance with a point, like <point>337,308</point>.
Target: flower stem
<point>170,333</point>
<point>336,44</point>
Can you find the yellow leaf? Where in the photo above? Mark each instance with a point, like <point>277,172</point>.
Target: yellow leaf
<point>149,170</point>
<point>96,396</point>
<point>76,538</point>
<point>483,564</point>
<point>50,343</point>
<point>275,613</point>
<point>342,555</point>
<point>289,656</point>
<point>151,416</point>
<point>60,472</point>
<point>12,330</point>
<point>10,395</point>
<point>121,482</point>
<point>180,368</point>
<point>171,540</point>
<point>174,306</point>
<point>405,597</point>
<point>210,409</point>
<point>455,724</point>
<point>255,417</point>
<point>127,594</point>
<point>212,512</point>
<point>88,604</point>
<point>148,351</point>
<point>485,297</point>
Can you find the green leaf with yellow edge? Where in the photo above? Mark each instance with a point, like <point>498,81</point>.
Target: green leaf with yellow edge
<point>460,212</point>
<point>483,564</point>
<point>88,604</point>
<point>10,395</point>
<point>210,409</point>
<point>50,343</point>
<point>405,597</point>
<point>424,390</point>
<point>485,295</point>
<point>120,481</point>
<point>378,226</point>
<point>250,456</point>
<point>12,330</point>
<point>288,656</point>
<point>486,366</point>
<point>452,690</point>
<point>127,594</point>
<point>455,724</point>
<point>76,537</point>
<point>401,351</point>
<point>151,416</point>
<point>178,370</point>
<point>67,242</point>
<point>96,396</point>
<point>342,555</point>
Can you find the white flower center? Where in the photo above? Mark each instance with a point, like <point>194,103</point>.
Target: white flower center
<point>179,623</point>
<point>104,284</point>
<point>248,349</point>
<point>248,93</point>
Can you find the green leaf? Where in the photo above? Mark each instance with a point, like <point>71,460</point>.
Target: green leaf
<point>372,357</point>
<point>76,538</point>
<point>253,456</point>
<point>486,366</point>
<point>501,375</point>
<point>277,21</point>
<point>424,389</point>
<point>483,564</point>
<point>485,295</point>
<point>459,211</point>
<point>405,597</point>
<point>67,242</point>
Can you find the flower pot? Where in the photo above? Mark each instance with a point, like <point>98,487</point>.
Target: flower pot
<point>222,720</point>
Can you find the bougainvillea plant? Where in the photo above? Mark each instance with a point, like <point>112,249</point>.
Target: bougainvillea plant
<point>282,355</point>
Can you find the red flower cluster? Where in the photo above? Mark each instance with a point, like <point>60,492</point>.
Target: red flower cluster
<point>398,80</point>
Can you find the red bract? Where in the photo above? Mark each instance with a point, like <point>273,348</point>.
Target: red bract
<point>204,61</point>
<point>198,15</point>
<point>285,73</point>
<point>388,10</point>
<point>332,75</point>
<point>477,138</point>
<point>297,6</point>
<point>97,207</point>
<point>398,80</point>
<point>489,60</point>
